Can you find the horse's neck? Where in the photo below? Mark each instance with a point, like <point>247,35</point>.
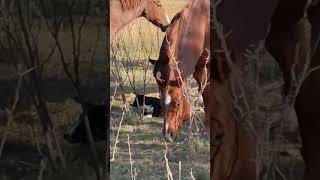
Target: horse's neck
<point>192,36</point>
<point>120,18</point>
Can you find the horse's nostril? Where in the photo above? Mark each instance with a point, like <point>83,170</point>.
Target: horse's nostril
<point>168,136</point>
<point>171,135</point>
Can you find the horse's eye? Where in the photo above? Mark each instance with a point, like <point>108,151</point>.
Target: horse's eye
<point>178,104</point>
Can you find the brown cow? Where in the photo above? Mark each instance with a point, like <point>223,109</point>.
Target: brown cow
<point>122,12</point>
<point>289,28</point>
<point>184,52</point>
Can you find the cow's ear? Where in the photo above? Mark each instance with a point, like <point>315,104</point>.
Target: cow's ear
<point>152,61</point>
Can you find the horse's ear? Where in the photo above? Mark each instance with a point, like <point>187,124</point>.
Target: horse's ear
<point>160,81</point>
<point>152,61</point>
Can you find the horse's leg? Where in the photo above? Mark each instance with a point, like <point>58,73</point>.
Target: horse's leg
<point>232,147</point>
<point>307,108</point>
<point>201,76</point>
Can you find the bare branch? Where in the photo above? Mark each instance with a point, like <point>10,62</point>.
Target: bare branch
<point>9,112</point>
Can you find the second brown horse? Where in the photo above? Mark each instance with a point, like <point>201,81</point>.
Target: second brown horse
<point>122,12</point>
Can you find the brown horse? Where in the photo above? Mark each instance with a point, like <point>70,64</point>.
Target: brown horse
<point>122,12</point>
<point>184,52</point>
<point>287,29</point>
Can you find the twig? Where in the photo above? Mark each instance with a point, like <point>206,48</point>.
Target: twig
<point>280,173</point>
<point>9,112</point>
<point>179,170</point>
<point>132,174</point>
<point>114,94</point>
<point>42,169</point>
<point>116,140</point>
<point>191,174</point>
<point>169,174</point>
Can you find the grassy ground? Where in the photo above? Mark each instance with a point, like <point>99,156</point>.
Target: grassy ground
<point>148,148</point>
<point>21,158</point>
<point>136,43</point>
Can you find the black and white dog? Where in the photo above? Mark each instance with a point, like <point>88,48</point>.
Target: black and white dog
<point>97,117</point>
<point>151,105</point>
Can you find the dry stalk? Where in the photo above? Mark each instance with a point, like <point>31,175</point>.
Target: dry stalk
<point>114,94</point>
<point>117,137</point>
<point>191,174</point>
<point>169,174</point>
<point>133,174</point>
<point>43,166</point>
<point>179,170</point>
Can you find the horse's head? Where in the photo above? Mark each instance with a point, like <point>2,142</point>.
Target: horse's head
<point>175,107</point>
<point>155,13</point>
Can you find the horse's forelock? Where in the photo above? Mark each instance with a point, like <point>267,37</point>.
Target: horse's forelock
<point>157,2</point>
<point>130,4</point>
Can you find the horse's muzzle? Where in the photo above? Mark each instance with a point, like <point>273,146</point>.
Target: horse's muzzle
<point>168,136</point>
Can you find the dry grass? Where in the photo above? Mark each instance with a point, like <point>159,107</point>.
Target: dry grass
<point>147,148</point>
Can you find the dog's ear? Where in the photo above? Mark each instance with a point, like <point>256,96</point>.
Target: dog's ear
<point>152,61</point>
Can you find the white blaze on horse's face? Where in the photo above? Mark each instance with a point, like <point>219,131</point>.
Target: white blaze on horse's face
<point>166,126</point>
<point>158,74</point>
<point>168,99</point>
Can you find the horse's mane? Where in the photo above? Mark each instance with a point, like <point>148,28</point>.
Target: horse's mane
<point>185,20</point>
<point>130,4</point>
<point>183,14</point>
